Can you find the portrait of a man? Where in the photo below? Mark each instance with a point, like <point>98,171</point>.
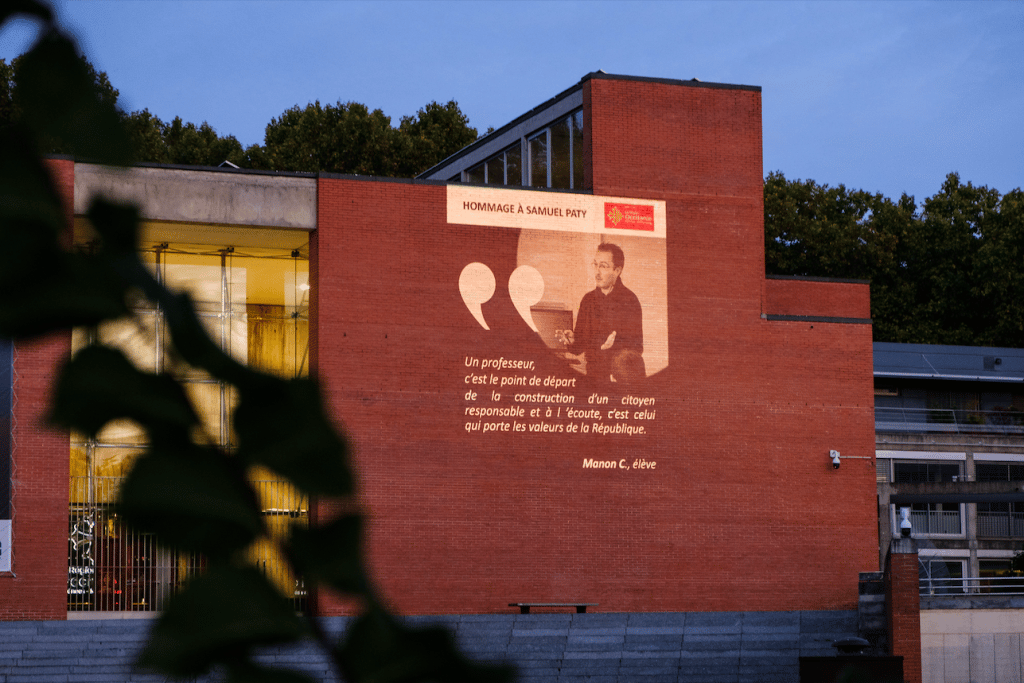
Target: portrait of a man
<point>609,324</point>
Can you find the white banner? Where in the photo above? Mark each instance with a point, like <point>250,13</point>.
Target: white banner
<point>566,212</point>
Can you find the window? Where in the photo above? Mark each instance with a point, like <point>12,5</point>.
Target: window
<point>576,123</point>
<point>537,152</point>
<point>554,158</point>
<point>561,154</point>
<point>504,168</point>
<point>514,165</point>
<point>556,154</point>
<point>920,472</point>
<point>477,174</point>
<point>941,576</point>
<point>1001,520</point>
<point>496,170</point>
<point>993,567</point>
<point>999,471</point>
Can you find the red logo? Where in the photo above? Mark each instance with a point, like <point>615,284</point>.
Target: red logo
<point>628,216</point>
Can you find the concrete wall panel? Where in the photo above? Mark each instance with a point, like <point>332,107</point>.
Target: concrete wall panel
<point>203,195</point>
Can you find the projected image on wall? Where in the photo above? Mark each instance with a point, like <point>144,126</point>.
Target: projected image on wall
<point>590,279</point>
<point>604,302</point>
<point>587,276</point>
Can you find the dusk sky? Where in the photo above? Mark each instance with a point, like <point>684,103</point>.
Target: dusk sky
<point>882,96</point>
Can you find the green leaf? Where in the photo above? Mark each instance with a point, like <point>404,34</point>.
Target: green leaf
<point>378,648</point>
<point>31,212</point>
<point>60,99</point>
<point>42,287</point>
<point>30,7</point>
<point>282,424</point>
<point>192,497</point>
<point>100,384</point>
<point>117,225</point>
<point>69,290</point>
<point>330,554</point>
<point>190,338</point>
<point>246,671</point>
<point>219,617</point>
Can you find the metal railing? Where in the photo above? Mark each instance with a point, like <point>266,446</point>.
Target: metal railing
<point>973,585</point>
<point>936,522</point>
<point>112,567</point>
<point>1001,524</point>
<point>949,420</point>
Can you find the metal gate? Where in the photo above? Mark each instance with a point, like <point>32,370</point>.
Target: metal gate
<point>113,568</point>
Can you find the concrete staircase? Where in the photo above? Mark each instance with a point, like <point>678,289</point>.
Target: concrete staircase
<point>661,647</point>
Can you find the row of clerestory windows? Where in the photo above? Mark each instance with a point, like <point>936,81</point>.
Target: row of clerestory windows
<point>553,158</point>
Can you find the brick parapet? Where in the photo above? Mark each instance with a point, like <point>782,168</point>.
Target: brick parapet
<point>903,607</point>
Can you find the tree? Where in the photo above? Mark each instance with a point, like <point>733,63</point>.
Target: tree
<point>999,271</point>
<point>950,274</point>
<point>435,133</point>
<point>180,143</point>
<point>349,138</point>
<point>183,488</point>
<point>24,95</point>
<point>942,252</point>
<point>341,138</point>
<point>193,145</point>
<point>146,135</point>
<point>813,229</point>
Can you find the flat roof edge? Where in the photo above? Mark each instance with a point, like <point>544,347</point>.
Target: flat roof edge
<point>692,83</point>
<point>200,169</point>
<point>939,375</point>
<point>815,278</point>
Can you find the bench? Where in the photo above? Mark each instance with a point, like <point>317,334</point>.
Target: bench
<point>581,607</point>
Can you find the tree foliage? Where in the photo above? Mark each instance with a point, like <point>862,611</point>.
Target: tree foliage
<point>177,142</point>
<point>183,488</point>
<point>349,138</point>
<point>336,138</point>
<point>341,138</point>
<point>435,133</point>
<point>947,272</point>
<point>951,273</point>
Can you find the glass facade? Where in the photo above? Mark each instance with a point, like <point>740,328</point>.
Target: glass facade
<point>554,158</point>
<point>254,303</point>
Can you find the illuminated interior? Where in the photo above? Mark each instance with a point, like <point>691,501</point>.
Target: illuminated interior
<point>251,289</point>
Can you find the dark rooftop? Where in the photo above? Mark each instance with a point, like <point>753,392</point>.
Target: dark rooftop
<point>933,361</point>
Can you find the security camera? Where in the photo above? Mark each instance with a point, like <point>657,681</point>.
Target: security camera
<point>835,459</point>
<point>905,526</point>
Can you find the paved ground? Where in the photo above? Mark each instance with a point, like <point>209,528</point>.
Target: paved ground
<point>704,647</point>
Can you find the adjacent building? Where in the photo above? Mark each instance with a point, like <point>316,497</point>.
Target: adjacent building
<point>950,444</point>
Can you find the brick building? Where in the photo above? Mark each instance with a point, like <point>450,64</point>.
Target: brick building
<point>494,468</point>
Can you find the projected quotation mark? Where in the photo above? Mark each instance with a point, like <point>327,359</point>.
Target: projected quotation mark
<point>525,288</point>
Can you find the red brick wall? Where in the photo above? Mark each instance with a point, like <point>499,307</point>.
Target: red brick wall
<point>903,604</point>
<point>743,510</point>
<point>37,588</point>
<point>811,298</point>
